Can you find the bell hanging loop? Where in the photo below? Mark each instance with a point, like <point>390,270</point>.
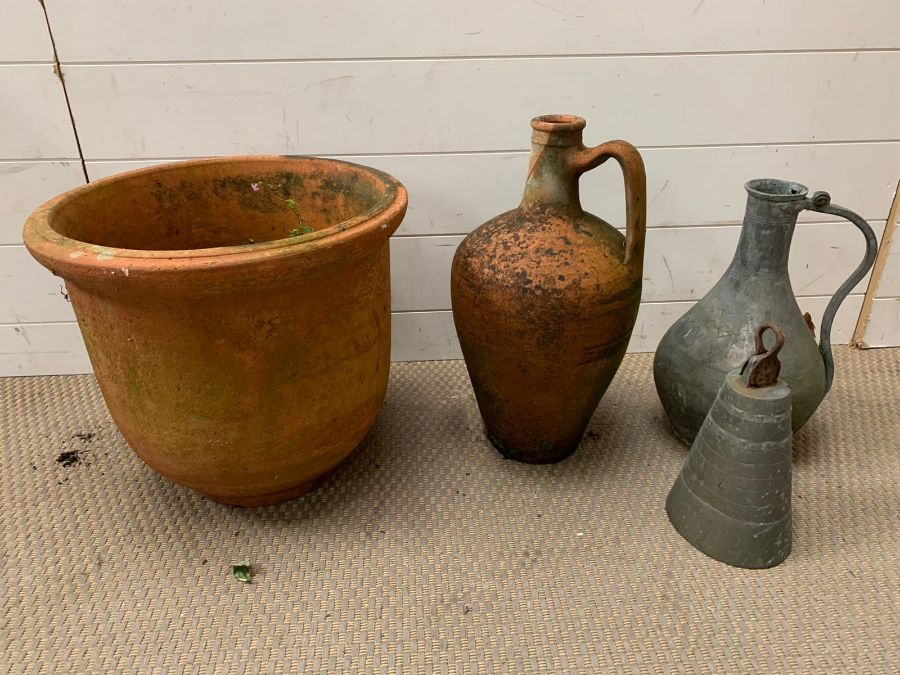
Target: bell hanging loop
<point>763,367</point>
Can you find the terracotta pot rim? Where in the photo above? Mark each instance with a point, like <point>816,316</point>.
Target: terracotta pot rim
<point>47,244</point>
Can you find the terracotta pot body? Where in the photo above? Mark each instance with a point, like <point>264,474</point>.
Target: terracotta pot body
<point>545,297</point>
<point>236,312</point>
<point>715,335</point>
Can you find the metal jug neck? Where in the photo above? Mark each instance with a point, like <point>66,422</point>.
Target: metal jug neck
<point>769,221</point>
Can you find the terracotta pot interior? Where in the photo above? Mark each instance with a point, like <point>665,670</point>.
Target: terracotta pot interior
<point>209,205</point>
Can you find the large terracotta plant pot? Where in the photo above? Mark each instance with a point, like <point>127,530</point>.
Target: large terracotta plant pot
<point>236,312</point>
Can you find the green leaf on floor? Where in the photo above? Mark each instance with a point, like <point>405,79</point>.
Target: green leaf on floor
<point>242,571</point>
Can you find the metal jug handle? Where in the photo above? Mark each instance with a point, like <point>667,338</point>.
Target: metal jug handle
<point>632,165</point>
<point>821,202</point>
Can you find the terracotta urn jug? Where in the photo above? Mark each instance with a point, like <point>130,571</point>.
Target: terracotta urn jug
<point>717,333</point>
<point>545,297</point>
<point>236,312</point>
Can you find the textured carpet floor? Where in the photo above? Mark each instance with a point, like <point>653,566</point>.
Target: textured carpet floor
<point>427,552</point>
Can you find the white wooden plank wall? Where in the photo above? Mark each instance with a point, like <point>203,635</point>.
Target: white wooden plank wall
<point>440,95</point>
<point>23,33</point>
<point>38,159</point>
<point>228,30</point>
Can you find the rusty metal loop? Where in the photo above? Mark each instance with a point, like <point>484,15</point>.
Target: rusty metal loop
<point>779,339</point>
<point>763,367</point>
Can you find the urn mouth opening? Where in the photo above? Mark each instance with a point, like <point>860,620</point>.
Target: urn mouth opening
<point>775,190</point>
<point>557,123</point>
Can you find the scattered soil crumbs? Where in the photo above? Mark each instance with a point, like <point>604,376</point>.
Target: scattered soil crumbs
<point>73,457</point>
<point>69,458</point>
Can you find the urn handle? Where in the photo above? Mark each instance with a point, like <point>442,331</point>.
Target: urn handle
<point>632,165</point>
<point>821,202</point>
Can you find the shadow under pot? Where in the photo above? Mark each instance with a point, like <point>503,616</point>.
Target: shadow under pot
<point>236,312</point>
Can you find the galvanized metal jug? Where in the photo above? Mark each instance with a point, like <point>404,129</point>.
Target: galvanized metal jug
<point>715,335</point>
<point>732,499</point>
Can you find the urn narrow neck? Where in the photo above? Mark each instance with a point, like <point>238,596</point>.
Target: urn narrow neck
<point>769,221</point>
<point>552,179</point>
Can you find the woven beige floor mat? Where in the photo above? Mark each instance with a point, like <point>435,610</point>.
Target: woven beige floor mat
<point>427,552</point>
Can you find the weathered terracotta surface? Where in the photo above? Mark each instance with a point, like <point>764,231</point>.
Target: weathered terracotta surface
<point>545,297</point>
<point>236,312</point>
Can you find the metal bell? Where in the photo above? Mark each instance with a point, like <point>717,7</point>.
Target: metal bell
<point>732,499</point>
